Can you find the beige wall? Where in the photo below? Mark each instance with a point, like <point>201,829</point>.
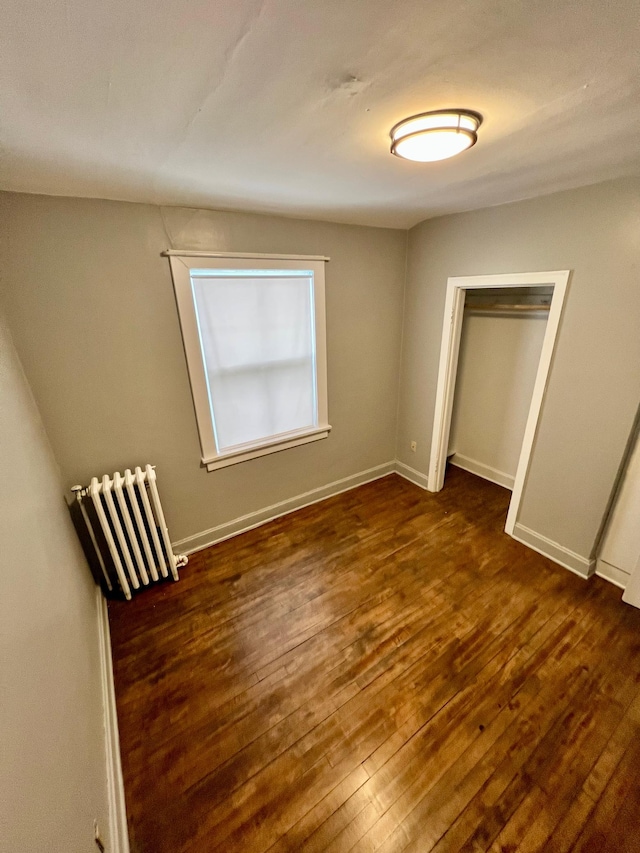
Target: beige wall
<point>53,781</point>
<point>91,306</point>
<point>621,541</point>
<point>499,356</point>
<point>594,385</point>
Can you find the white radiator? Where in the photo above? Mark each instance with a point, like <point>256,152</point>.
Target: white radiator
<point>125,524</point>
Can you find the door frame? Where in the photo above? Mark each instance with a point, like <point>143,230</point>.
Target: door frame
<point>457,287</point>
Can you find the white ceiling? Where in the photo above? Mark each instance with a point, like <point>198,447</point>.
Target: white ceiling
<point>285,105</point>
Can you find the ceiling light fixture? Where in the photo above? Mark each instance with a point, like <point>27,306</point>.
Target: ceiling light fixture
<point>433,136</point>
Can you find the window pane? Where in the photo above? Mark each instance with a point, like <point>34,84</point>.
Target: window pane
<point>257,338</point>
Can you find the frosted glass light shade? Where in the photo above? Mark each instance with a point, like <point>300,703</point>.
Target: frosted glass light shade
<point>434,136</point>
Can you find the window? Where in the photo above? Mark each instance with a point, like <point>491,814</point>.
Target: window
<point>253,328</point>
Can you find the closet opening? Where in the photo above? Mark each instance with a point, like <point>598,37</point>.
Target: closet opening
<point>499,335</point>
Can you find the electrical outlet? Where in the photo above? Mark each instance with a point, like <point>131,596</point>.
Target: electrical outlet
<point>414,446</point>
<point>97,838</point>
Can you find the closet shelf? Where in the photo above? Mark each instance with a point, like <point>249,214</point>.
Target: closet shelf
<point>506,309</point>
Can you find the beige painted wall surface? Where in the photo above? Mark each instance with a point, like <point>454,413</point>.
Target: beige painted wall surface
<point>91,306</point>
<point>499,356</point>
<point>595,377</point>
<point>53,780</point>
<point>621,541</point>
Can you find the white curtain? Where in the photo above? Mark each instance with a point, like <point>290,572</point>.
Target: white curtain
<point>258,347</point>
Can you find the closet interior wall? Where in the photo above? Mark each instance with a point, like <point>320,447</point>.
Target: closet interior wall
<point>500,347</point>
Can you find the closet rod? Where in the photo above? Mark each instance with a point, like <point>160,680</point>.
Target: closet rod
<point>502,309</point>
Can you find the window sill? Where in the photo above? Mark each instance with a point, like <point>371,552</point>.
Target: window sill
<point>253,452</point>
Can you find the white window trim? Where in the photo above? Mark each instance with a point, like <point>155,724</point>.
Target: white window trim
<point>182,262</point>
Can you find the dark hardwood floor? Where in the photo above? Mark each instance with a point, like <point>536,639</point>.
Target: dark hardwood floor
<point>386,670</point>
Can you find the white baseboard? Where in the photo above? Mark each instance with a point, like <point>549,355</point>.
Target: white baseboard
<point>482,470</point>
<point>553,550</point>
<point>413,476</point>
<point>613,574</point>
<point>118,831</point>
<point>558,553</point>
<point>254,519</point>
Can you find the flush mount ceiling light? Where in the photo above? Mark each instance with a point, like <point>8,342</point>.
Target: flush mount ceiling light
<point>433,136</point>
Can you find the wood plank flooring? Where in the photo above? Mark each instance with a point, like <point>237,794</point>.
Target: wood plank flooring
<point>386,670</point>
